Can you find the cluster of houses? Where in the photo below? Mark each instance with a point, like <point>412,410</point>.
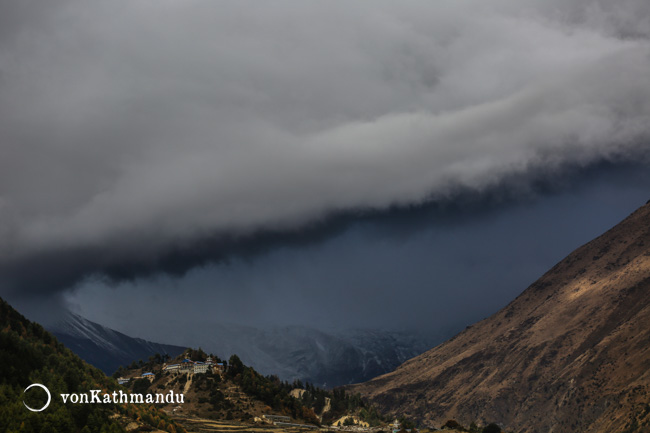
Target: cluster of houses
<point>196,367</point>
<point>185,366</point>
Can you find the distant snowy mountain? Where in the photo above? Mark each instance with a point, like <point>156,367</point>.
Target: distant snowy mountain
<point>340,358</point>
<point>105,348</point>
<point>325,358</point>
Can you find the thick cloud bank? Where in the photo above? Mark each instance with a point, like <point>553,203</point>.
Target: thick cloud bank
<point>131,129</point>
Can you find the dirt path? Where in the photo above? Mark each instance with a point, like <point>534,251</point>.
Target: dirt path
<point>188,383</point>
<point>327,406</point>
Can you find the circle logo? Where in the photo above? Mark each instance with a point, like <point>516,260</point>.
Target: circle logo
<point>49,397</point>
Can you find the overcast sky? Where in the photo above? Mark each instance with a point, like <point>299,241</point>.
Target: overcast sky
<point>234,150</point>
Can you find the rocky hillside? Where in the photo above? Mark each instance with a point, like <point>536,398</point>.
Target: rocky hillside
<point>570,354</point>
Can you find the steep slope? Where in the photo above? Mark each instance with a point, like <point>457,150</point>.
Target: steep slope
<point>103,347</point>
<point>29,354</point>
<point>570,354</point>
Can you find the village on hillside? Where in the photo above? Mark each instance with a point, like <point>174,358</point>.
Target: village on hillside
<point>216,392</point>
<point>184,367</point>
<point>226,396</point>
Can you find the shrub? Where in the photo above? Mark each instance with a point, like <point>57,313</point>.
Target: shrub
<point>453,424</point>
<point>492,428</point>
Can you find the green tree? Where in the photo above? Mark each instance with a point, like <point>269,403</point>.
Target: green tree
<point>141,386</point>
<point>235,366</point>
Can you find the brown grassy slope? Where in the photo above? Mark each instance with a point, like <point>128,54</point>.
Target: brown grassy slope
<point>570,354</point>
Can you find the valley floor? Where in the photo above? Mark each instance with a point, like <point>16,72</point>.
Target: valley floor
<point>195,424</point>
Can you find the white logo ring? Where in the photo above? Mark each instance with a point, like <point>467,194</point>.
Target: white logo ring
<point>49,397</point>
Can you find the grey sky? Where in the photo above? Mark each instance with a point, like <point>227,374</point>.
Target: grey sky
<point>133,130</point>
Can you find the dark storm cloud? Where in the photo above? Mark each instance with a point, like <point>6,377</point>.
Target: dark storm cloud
<point>63,269</point>
<point>458,265</point>
<point>156,136</point>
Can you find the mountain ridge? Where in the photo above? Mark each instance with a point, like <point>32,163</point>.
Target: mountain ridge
<point>571,353</point>
<point>104,347</point>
